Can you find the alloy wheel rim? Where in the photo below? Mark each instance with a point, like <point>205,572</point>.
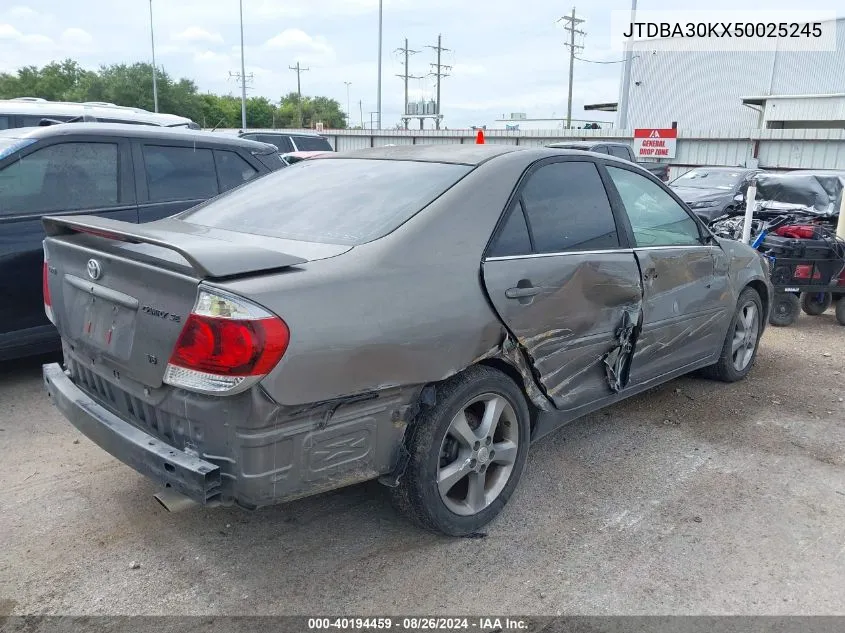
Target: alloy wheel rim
<point>478,454</point>
<point>746,330</point>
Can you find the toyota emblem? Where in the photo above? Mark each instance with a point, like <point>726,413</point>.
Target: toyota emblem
<point>95,271</point>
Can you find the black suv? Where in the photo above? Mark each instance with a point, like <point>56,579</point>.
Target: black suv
<point>294,142</point>
<point>134,173</point>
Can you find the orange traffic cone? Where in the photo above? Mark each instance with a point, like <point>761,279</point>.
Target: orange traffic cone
<point>479,138</point>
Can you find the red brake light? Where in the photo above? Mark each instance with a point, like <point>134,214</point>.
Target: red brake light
<point>226,345</point>
<point>803,271</point>
<point>230,347</point>
<point>45,289</point>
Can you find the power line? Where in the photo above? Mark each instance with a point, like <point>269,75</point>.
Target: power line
<point>591,61</point>
<point>243,82</point>
<point>439,74</point>
<point>570,23</point>
<point>299,70</point>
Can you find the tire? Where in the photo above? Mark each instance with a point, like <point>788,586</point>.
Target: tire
<point>742,340</point>
<point>815,303</point>
<point>840,311</point>
<point>440,451</point>
<point>785,309</point>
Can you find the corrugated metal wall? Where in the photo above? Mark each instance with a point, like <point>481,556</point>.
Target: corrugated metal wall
<point>702,90</point>
<point>777,149</point>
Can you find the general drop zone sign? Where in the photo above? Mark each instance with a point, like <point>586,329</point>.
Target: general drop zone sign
<point>655,143</point>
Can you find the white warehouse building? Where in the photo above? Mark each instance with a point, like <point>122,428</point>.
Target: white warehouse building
<point>696,90</point>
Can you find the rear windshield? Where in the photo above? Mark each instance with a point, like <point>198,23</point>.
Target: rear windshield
<point>312,144</point>
<point>334,201</point>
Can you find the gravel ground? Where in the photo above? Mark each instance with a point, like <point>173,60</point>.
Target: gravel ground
<point>695,498</point>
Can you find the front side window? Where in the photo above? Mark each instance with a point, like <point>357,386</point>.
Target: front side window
<point>179,173</point>
<point>620,152</point>
<point>62,177</point>
<point>656,219</point>
<point>568,209</point>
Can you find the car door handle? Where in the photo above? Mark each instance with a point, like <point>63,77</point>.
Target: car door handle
<point>520,292</point>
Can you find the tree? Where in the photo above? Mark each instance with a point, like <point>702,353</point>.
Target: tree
<point>132,85</point>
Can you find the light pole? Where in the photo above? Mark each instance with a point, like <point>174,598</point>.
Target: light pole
<point>626,77</point>
<point>153,43</point>
<point>348,110</point>
<point>378,101</point>
<point>243,69</point>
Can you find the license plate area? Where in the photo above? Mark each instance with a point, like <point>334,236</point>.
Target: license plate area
<point>100,318</point>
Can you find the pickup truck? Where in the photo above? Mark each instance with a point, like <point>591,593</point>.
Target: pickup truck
<point>620,150</point>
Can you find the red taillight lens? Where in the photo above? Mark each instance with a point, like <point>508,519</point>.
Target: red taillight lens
<point>226,345</point>
<point>230,347</point>
<point>45,286</point>
<point>803,271</point>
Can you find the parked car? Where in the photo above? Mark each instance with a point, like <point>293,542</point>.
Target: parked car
<point>294,157</point>
<point>294,142</point>
<point>133,173</point>
<point>714,191</point>
<point>620,150</point>
<point>418,314</point>
<point>32,112</point>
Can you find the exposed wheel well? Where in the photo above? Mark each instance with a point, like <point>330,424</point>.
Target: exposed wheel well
<point>763,291</point>
<point>513,373</point>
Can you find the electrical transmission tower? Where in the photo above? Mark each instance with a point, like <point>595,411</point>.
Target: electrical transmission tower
<point>299,70</point>
<point>439,73</point>
<point>571,22</point>
<point>406,76</point>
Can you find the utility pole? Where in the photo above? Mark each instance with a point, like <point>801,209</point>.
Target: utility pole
<point>243,80</point>
<point>571,23</point>
<point>407,51</point>
<point>299,70</point>
<point>243,69</point>
<point>378,101</point>
<point>348,110</point>
<point>439,73</point>
<point>626,77</point>
<point>361,112</point>
<point>153,43</point>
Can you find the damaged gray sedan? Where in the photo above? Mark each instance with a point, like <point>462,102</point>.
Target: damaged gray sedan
<point>418,315</point>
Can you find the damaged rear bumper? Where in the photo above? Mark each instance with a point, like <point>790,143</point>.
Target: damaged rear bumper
<point>193,477</point>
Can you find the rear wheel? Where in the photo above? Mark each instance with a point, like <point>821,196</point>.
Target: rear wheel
<point>840,311</point>
<point>742,340</point>
<point>785,309</point>
<point>815,303</point>
<point>467,453</point>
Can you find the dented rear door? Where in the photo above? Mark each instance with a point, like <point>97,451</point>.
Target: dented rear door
<point>563,281</point>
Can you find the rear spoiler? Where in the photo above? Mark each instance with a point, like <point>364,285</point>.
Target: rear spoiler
<point>209,257</point>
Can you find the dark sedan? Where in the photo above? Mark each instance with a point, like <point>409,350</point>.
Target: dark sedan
<point>415,314</point>
<point>713,191</point>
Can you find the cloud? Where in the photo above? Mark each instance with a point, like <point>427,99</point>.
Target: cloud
<point>23,12</point>
<point>303,46</point>
<point>210,57</point>
<point>76,36</point>
<point>197,34</point>
<point>469,69</point>
<point>8,32</point>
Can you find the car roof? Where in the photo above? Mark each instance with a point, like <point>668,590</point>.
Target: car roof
<point>725,168</point>
<point>34,107</point>
<point>129,130</point>
<point>279,133</point>
<point>585,144</point>
<point>469,154</point>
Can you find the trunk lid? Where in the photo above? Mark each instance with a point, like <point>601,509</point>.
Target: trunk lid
<point>122,292</point>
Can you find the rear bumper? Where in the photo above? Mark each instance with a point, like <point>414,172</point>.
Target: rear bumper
<point>193,477</point>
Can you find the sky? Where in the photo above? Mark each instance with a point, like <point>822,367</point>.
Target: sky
<point>505,56</point>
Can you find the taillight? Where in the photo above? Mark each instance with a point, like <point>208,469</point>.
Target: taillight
<point>226,345</point>
<point>803,271</point>
<point>45,288</point>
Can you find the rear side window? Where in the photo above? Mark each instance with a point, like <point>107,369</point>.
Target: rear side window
<point>312,144</point>
<point>599,149</point>
<point>568,209</point>
<point>5,123</point>
<point>63,177</point>
<point>232,170</point>
<point>621,152</point>
<point>179,173</point>
<point>281,141</point>
<point>513,239</point>
<point>335,201</point>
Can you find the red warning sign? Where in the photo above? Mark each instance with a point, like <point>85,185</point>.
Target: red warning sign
<point>655,142</point>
